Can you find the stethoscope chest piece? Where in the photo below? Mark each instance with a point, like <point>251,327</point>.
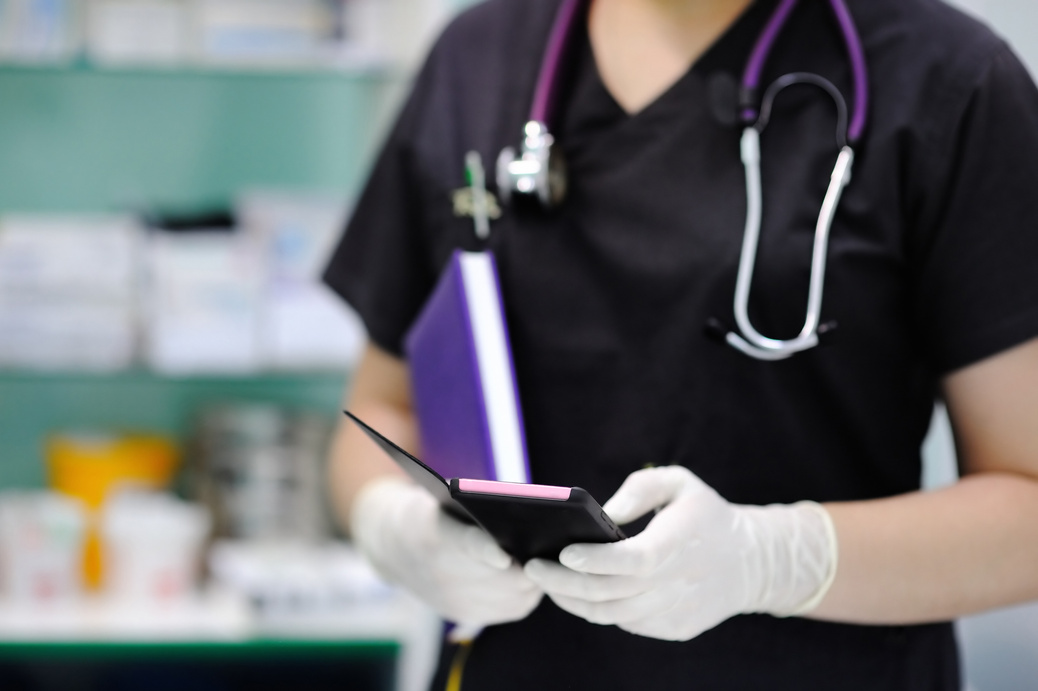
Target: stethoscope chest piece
<point>538,171</point>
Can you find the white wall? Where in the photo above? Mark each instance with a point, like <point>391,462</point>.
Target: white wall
<point>1016,20</point>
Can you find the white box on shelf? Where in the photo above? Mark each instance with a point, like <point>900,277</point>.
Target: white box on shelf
<point>153,545</point>
<point>304,325</point>
<point>265,32</point>
<point>363,26</point>
<point>40,31</point>
<point>79,255</point>
<point>156,32</point>
<point>203,303</point>
<point>41,549</point>
<point>401,30</point>
<point>68,291</point>
<point>62,335</point>
<point>293,582</point>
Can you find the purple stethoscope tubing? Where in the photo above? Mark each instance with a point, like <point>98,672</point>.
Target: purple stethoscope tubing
<point>527,173</point>
<point>748,340</point>
<point>545,94</point>
<point>855,54</point>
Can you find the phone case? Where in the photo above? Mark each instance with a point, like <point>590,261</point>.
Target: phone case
<point>535,521</point>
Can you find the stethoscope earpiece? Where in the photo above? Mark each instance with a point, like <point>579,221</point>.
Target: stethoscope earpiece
<point>538,171</point>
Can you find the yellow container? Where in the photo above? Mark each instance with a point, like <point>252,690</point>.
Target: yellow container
<point>90,466</point>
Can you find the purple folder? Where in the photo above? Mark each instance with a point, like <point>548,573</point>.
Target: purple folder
<point>463,377</point>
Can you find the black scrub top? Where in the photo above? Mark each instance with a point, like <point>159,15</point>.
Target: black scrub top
<point>933,265</point>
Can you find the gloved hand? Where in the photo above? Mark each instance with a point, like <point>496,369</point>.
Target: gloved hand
<point>699,561</point>
<point>456,569</point>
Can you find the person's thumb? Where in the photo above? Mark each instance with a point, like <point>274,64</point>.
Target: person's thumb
<point>646,490</point>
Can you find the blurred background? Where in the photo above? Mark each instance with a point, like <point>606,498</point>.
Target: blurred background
<point>173,174</point>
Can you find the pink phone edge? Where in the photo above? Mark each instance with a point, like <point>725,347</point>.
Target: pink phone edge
<point>515,489</point>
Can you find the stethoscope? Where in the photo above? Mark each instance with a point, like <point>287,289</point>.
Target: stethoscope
<point>538,170</point>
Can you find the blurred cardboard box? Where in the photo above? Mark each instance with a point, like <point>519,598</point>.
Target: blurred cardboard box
<point>304,325</point>
<point>40,30</point>
<point>266,31</point>
<point>203,307</point>
<point>68,291</point>
<point>139,31</point>
<point>88,291</point>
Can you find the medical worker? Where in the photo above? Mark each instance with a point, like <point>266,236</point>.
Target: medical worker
<point>789,546</point>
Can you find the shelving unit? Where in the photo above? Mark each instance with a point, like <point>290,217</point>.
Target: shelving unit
<point>83,137</point>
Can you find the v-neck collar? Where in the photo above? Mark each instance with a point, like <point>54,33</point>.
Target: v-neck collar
<point>728,53</point>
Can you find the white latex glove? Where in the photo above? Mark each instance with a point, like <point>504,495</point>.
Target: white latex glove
<point>699,561</point>
<point>456,569</point>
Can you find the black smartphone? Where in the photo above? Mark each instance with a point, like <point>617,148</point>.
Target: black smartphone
<point>535,521</point>
<point>528,521</point>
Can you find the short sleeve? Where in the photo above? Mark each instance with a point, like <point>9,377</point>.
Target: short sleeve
<point>379,265</point>
<point>976,260</point>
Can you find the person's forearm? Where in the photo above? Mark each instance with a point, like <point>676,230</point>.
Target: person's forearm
<point>354,460</point>
<point>379,396</point>
<point>933,556</point>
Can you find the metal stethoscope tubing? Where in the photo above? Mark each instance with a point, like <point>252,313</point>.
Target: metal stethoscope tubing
<point>850,127</point>
<point>749,340</point>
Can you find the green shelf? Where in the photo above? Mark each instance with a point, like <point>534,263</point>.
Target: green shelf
<point>34,405</point>
<point>272,665</point>
<point>229,70</point>
<point>81,138</point>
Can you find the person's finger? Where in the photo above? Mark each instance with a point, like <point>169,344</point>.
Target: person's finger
<point>493,597</point>
<point>641,555</point>
<point>473,542</point>
<point>624,558</point>
<point>647,605</point>
<point>645,490</point>
<point>559,580</point>
<point>486,608</point>
<point>456,567</point>
<point>671,626</point>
